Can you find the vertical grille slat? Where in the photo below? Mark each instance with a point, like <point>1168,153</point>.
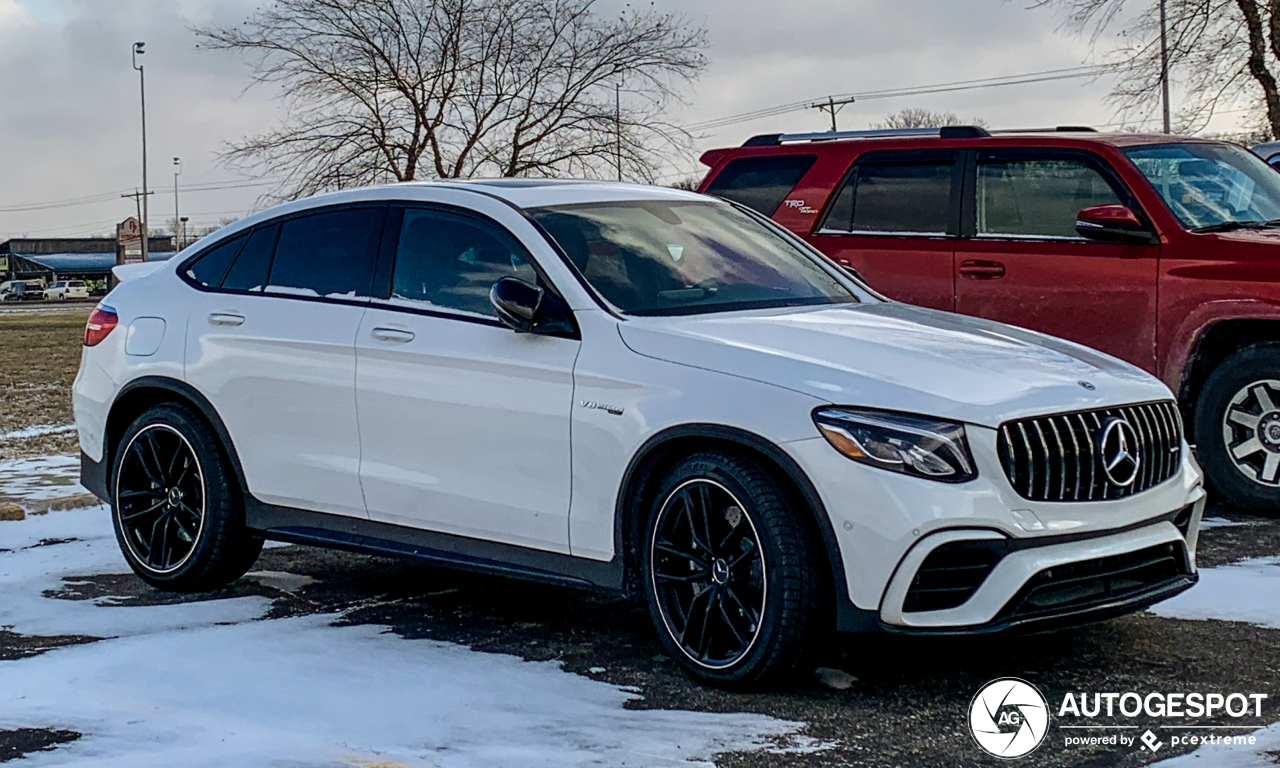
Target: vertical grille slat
<point>1057,457</point>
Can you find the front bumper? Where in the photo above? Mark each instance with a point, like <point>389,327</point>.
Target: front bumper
<point>1085,561</point>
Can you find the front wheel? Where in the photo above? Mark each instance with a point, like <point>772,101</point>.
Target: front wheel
<point>178,519</point>
<point>731,575</point>
<point>1237,428</point>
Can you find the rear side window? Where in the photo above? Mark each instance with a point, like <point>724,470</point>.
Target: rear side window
<point>897,193</point>
<point>1030,196</point>
<point>327,254</point>
<point>249,272</point>
<point>211,267</point>
<point>761,183</point>
<point>450,261</point>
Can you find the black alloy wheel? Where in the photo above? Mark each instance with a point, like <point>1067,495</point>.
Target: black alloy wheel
<point>178,515</point>
<point>709,573</point>
<point>731,572</point>
<point>160,498</point>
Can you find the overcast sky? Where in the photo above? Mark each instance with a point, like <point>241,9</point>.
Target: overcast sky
<point>69,97</point>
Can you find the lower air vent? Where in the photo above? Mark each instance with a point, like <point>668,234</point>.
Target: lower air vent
<point>951,574</point>
<point>1077,586</point>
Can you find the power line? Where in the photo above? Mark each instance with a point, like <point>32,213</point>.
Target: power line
<point>957,85</point>
<point>108,196</point>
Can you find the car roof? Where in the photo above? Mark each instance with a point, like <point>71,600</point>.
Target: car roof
<point>538,193</point>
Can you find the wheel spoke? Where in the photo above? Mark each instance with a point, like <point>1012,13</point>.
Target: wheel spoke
<point>747,611</point>
<point>146,469</point>
<point>675,552</point>
<point>1247,448</point>
<point>704,637</point>
<point>1263,397</point>
<point>183,506</point>
<point>151,541</point>
<point>727,620</point>
<point>1270,468</point>
<point>746,553</point>
<point>150,438</point>
<point>1244,418</point>
<point>125,516</point>
<point>149,493</point>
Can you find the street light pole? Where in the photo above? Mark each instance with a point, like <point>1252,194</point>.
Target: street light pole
<point>177,245</point>
<point>138,50</point>
<point>1164,63</point>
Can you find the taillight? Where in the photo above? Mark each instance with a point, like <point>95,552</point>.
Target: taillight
<point>101,323</point>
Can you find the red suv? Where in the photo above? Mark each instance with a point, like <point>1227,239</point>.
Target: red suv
<point>1160,250</point>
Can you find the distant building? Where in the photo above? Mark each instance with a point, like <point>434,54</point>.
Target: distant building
<point>61,258</point>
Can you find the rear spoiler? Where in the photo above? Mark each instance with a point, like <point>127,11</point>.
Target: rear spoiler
<point>712,156</point>
<point>126,272</point>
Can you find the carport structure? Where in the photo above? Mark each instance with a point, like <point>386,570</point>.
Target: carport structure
<point>44,261</point>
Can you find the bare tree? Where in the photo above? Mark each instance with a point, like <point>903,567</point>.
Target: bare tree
<point>395,90</point>
<point>1225,52</point>
<point>918,117</point>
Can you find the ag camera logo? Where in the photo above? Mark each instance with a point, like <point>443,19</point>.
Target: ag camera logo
<point>1009,717</point>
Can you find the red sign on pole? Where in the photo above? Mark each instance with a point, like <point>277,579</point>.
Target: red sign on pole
<point>129,241</point>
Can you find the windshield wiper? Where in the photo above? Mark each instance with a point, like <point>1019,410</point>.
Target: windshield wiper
<point>1231,226</point>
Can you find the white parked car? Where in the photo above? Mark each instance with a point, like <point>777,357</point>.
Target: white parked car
<point>67,289</point>
<point>633,389</point>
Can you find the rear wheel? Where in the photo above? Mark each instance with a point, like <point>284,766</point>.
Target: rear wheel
<point>177,517</point>
<point>1237,428</point>
<point>730,573</point>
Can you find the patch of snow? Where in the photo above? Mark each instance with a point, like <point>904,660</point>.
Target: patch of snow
<point>1267,740</point>
<point>28,571</point>
<point>37,479</point>
<point>1247,591</point>
<point>836,679</point>
<point>213,684</point>
<point>38,431</point>
<point>281,580</point>
<point>1222,522</point>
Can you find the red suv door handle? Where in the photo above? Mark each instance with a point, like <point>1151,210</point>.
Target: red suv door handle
<point>981,270</point>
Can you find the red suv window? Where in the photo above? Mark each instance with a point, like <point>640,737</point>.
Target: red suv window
<point>761,183</point>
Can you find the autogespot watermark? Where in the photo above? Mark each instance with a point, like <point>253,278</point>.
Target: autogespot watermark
<point>1010,718</point>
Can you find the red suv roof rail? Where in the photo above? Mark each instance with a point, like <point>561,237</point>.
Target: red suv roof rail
<point>944,132</point>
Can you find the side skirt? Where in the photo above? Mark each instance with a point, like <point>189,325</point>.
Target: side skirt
<point>299,526</point>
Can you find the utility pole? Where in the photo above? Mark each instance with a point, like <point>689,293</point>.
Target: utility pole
<point>1164,63</point>
<point>832,106</point>
<point>138,49</point>
<point>177,244</point>
<point>617,123</point>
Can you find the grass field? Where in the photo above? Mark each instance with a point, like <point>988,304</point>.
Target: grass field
<point>39,355</point>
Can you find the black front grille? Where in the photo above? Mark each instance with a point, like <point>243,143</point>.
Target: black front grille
<point>951,574</point>
<point>1058,458</point>
<point>1089,583</point>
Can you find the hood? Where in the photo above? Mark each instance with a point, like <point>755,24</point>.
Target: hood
<point>898,357</point>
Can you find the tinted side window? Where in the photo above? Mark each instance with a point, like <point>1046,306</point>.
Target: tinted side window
<point>249,272</point>
<point>451,261</point>
<point>899,192</point>
<point>761,183</point>
<point>1026,195</point>
<point>209,269</point>
<point>327,254</point>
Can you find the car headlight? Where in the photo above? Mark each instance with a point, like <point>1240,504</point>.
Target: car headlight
<point>899,442</point>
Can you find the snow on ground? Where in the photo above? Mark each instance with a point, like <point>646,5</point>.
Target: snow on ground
<point>38,431</point>
<point>1247,591</point>
<point>41,478</point>
<point>213,684</point>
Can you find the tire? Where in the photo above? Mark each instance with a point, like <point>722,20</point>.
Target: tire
<point>1240,404</point>
<point>687,583</point>
<point>176,511</point>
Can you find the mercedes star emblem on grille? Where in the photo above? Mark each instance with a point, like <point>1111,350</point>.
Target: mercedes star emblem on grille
<point>1117,443</point>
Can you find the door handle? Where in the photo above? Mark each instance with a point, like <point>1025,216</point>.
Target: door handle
<point>981,270</point>
<point>225,318</point>
<point>392,334</point>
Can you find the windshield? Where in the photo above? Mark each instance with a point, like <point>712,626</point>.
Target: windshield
<point>676,257</point>
<point>1211,186</point>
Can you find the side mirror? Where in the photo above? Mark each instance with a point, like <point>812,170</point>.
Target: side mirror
<point>516,303</point>
<point>1112,224</point>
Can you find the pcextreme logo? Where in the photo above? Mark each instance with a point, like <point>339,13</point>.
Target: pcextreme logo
<point>1009,717</point>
